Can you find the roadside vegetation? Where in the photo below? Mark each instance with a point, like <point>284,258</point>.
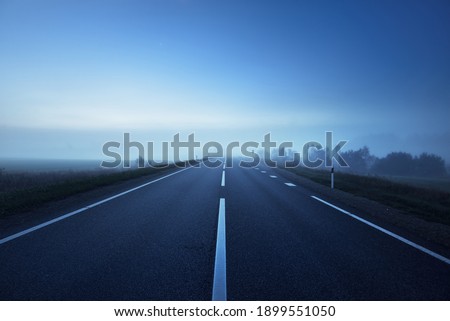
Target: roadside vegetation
<point>22,191</point>
<point>442,184</point>
<point>427,203</point>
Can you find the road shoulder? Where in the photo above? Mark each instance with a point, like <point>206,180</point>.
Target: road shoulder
<point>408,225</point>
<point>19,221</point>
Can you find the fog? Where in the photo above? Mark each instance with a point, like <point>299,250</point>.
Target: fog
<point>75,75</point>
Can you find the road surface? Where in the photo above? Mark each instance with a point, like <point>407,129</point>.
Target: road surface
<point>223,234</point>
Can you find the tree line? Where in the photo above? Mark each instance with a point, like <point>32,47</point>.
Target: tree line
<point>395,163</point>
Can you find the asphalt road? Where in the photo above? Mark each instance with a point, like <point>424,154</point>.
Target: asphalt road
<point>163,241</point>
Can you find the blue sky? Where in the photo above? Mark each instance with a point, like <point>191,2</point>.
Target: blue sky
<point>77,73</point>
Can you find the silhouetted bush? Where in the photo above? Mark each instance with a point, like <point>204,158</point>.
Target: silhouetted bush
<point>359,161</point>
<point>396,163</point>
<point>430,165</point>
<point>404,164</point>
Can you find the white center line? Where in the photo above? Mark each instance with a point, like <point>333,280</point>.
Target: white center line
<point>273,176</point>
<point>223,179</point>
<point>263,172</point>
<point>398,237</point>
<point>219,292</point>
<point>78,211</point>
<point>289,184</point>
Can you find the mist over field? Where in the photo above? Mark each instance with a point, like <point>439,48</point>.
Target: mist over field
<point>77,74</point>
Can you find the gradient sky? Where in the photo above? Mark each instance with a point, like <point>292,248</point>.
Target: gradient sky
<point>74,74</point>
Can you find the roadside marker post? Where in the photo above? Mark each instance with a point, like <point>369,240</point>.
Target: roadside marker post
<point>332,177</point>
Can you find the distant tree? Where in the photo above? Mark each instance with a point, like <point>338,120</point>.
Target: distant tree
<point>140,162</point>
<point>314,155</point>
<point>282,154</point>
<point>396,163</point>
<point>430,165</point>
<point>359,161</point>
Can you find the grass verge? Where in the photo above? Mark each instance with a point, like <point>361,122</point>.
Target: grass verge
<point>426,203</point>
<point>18,200</point>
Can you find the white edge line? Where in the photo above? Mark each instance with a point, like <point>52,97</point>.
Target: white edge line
<point>223,179</point>
<point>289,184</point>
<point>62,217</point>
<point>398,237</point>
<point>219,292</point>
<point>273,176</point>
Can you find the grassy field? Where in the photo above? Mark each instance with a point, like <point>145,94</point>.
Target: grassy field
<point>442,184</point>
<point>427,203</point>
<point>24,191</point>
